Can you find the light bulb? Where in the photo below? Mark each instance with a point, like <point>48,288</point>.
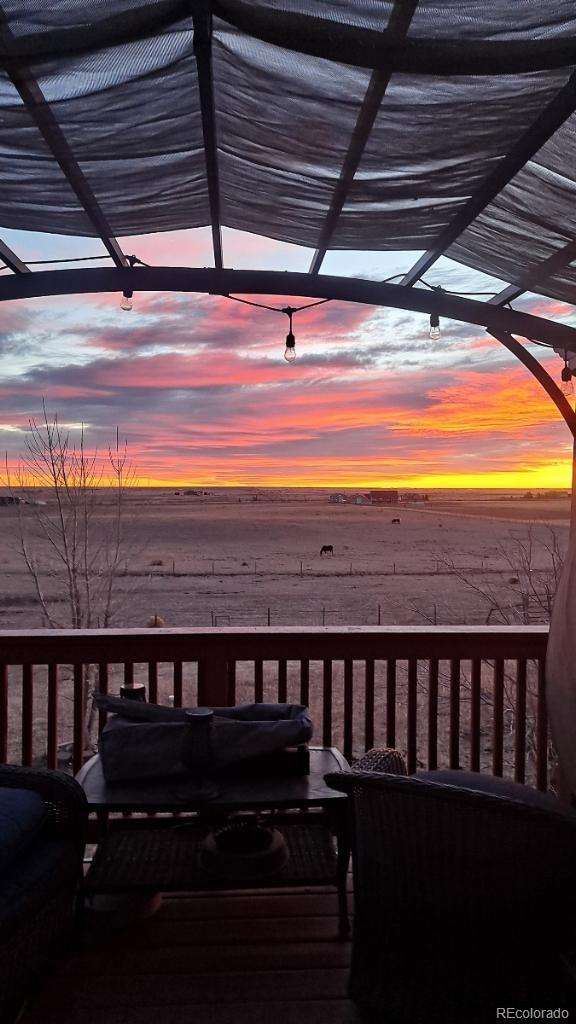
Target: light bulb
<point>566,383</point>
<point>290,350</point>
<point>126,301</point>
<point>434,327</point>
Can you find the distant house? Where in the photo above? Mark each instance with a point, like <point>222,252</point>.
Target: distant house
<point>384,497</point>
<point>360,499</point>
<point>338,499</point>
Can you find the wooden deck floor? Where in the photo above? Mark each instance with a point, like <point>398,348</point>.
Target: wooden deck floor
<point>238,958</point>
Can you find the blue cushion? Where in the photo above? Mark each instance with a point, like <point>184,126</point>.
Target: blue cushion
<point>482,782</point>
<point>22,815</point>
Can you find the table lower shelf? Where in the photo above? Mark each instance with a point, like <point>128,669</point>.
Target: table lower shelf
<point>168,859</point>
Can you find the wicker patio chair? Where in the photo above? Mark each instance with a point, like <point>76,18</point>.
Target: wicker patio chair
<point>40,886</point>
<point>464,897</point>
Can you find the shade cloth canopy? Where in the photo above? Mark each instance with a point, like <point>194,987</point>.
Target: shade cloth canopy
<point>443,125</point>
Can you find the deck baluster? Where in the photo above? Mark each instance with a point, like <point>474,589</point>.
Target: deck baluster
<point>305,682</point>
<point>541,730</point>
<point>454,740</point>
<point>282,682</point>
<point>327,703</point>
<point>498,719</point>
<point>348,708</point>
<point>79,725</point>
<point>3,714</point>
<point>27,713</point>
<point>476,683</point>
<point>52,720</point>
<point>520,724</point>
<point>433,714</point>
<point>391,702</point>
<point>411,716</point>
<point>369,705</point>
<point>153,682</point>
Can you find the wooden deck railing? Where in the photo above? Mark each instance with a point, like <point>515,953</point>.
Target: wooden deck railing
<point>462,696</point>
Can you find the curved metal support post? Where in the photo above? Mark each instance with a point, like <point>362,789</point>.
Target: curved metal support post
<point>548,383</point>
<point>217,281</point>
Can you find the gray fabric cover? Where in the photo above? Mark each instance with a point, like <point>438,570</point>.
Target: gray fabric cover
<point>144,741</point>
<point>120,82</point>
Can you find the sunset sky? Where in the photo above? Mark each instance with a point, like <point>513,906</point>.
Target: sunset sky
<point>199,388</point>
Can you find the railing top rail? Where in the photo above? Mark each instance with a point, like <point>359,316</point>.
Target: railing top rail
<point>42,646</point>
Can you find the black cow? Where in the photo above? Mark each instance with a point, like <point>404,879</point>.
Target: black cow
<point>395,520</point>
<point>327,549</point>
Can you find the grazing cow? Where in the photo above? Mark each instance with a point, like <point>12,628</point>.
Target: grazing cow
<point>395,520</point>
<point>327,549</point>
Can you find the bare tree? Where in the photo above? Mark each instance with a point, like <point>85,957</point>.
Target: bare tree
<point>533,563</point>
<point>72,542</point>
<point>71,515</point>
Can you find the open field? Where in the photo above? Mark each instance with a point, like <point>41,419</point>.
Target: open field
<point>253,557</point>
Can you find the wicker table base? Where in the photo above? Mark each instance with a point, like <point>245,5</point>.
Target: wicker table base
<point>168,859</point>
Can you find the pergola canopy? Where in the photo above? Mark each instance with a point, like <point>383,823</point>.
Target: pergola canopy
<point>447,126</point>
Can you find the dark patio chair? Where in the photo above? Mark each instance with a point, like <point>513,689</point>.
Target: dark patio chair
<point>43,817</point>
<point>465,895</point>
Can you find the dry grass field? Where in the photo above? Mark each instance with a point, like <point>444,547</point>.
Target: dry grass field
<point>253,557</point>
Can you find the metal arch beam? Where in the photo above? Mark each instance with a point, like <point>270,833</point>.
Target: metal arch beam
<point>39,110</point>
<point>12,260</point>
<point>304,33</point>
<point>398,26</point>
<point>562,258</point>
<point>549,120</point>
<point>543,378</point>
<point>275,282</point>
<point>202,21</point>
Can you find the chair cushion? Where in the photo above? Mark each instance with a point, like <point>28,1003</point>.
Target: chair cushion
<point>22,815</point>
<point>481,782</point>
<point>49,869</point>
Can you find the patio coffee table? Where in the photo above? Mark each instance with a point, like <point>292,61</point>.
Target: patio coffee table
<point>163,853</point>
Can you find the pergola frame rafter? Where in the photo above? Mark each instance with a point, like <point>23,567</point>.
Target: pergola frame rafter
<point>202,21</point>
<point>11,260</point>
<point>548,122</point>
<point>563,258</point>
<point>399,24</point>
<point>39,110</point>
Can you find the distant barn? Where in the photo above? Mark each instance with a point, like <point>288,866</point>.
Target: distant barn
<point>384,497</point>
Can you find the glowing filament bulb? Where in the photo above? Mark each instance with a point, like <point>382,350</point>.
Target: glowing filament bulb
<point>290,350</point>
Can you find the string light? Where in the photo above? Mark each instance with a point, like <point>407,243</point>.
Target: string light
<point>127,295</point>
<point>435,331</point>
<point>566,378</point>
<point>290,350</point>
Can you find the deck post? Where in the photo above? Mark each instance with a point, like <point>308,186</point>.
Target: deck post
<point>213,682</point>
